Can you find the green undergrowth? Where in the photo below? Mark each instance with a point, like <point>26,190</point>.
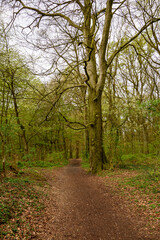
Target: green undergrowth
<point>147,182</point>
<point>147,167</point>
<point>19,199</point>
<point>85,163</point>
<point>42,164</point>
<point>22,196</point>
<point>146,178</point>
<point>139,181</point>
<point>53,160</point>
<point>139,161</point>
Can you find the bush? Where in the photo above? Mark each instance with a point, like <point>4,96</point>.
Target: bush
<point>85,163</point>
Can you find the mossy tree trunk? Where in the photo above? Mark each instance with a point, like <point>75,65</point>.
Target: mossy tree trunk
<point>95,132</point>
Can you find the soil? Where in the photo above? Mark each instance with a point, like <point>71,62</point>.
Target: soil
<point>79,206</point>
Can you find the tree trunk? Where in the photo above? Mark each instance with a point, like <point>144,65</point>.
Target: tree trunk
<point>145,139</point>
<point>64,144</point>
<point>3,157</point>
<point>77,149</point>
<point>96,152</point>
<point>18,119</point>
<point>86,133</point>
<point>70,150</point>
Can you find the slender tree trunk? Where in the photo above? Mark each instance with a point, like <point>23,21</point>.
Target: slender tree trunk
<point>132,141</point>
<point>18,119</point>
<point>4,166</point>
<point>3,157</point>
<point>86,143</point>
<point>70,150</point>
<point>77,149</point>
<point>64,144</point>
<point>145,139</point>
<point>86,132</point>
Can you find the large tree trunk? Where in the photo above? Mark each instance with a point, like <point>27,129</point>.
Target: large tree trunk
<point>96,152</point>
<point>96,81</point>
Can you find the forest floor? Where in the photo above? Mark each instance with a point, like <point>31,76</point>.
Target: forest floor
<point>78,205</point>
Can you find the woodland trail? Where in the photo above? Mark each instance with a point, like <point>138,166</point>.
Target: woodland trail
<point>82,207</point>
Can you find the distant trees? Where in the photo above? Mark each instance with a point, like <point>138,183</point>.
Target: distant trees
<point>132,126</point>
<point>36,118</point>
<point>11,72</point>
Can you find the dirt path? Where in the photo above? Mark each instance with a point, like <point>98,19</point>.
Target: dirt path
<point>81,207</point>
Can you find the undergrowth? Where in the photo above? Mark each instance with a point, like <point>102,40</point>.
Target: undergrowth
<point>51,160</point>
<point>148,173</point>
<point>21,197</point>
<point>85,163</point>
<point>18,200</point>
<point>147,177</point>
<point>139,181</point>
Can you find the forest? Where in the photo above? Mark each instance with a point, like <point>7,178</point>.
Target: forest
<point>57,116</point>
<point>80,80</point>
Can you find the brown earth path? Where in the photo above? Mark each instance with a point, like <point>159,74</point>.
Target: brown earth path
<point>81,207</point>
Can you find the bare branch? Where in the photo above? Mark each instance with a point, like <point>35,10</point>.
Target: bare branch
<point>71,122</point>
<point>45,14</point>
<point>106,29</point>
<point>126,44</point>
<point>58,98</point>
<point>119,6</point>
<point>80,4</point>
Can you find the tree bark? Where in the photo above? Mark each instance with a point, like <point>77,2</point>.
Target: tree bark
<point>86,132</point>
<point>96,153</point>
<point>96,83</point>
